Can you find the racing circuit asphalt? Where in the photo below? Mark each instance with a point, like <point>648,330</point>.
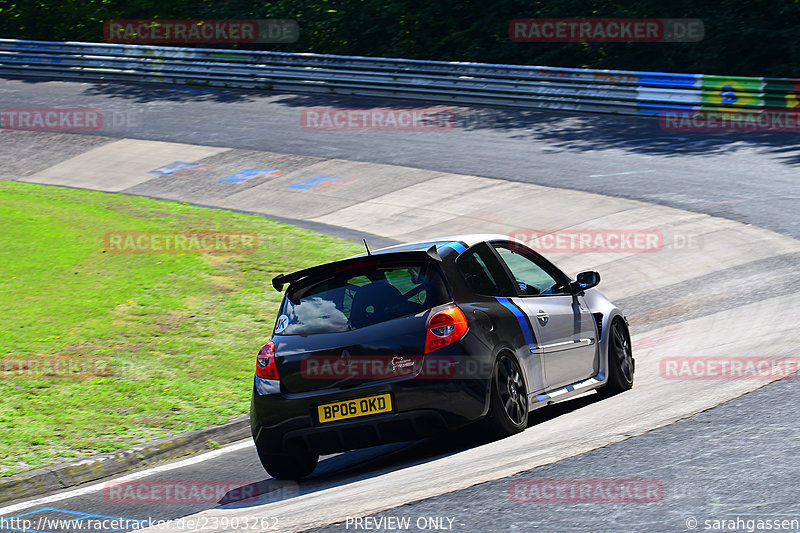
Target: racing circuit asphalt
<point>736,459</point>
<point>747,177</point>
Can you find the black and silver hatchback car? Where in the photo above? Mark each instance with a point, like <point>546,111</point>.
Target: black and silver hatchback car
<point>412,340</point>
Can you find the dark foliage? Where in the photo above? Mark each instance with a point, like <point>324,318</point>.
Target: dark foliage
<point>748,38</point>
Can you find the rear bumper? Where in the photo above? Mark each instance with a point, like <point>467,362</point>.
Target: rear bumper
<point>422,408</point>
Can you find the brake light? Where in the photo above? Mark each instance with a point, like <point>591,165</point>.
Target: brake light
<point>444,328</point>
<point>265,362</point>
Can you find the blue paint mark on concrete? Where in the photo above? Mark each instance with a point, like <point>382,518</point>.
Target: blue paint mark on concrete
<point>316,181</point>
<point>172,168</point>
<point>249,173</point>
<point>312,182</point>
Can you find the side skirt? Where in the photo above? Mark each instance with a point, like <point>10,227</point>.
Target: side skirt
<point>562,393</point>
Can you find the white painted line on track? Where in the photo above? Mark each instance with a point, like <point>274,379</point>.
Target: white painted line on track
<point>236,446</point>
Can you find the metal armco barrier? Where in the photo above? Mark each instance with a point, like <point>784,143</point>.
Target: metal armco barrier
<point>605,91</point>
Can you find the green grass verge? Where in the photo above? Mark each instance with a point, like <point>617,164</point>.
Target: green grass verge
<point>179,331</point>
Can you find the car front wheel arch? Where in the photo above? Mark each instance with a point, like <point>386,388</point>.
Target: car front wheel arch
<point>621,366</point>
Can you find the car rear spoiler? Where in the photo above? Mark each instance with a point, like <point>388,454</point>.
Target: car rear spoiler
<point>355,262</point>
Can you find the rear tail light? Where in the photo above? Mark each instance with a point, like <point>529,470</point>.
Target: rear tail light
<point>444,328</point>
<point>265,362</point>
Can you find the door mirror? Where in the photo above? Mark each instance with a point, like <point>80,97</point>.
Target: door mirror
<point>585,280</point>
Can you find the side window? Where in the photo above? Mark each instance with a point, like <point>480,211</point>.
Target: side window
<point>484,274</point>
<point>531,278</point>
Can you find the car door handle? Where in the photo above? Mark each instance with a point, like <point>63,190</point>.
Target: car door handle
<point>542,317</point>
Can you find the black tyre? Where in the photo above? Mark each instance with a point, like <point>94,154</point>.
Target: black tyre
<point>290,466</point>
<point>508,410</point>
<point>620,360</point>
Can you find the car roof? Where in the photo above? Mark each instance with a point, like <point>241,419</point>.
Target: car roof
<point>465,240</point>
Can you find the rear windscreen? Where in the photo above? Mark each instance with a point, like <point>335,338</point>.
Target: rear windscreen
<point>360,297</point>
